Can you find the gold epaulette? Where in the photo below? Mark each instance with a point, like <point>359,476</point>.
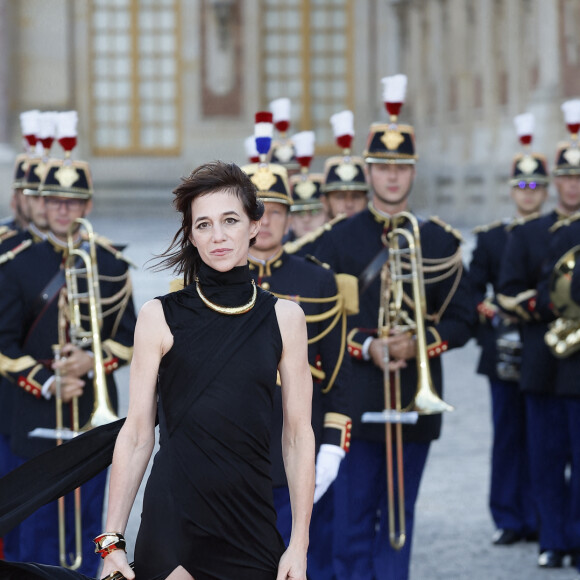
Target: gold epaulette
<point>487,227</point>
<point>11,254</point>
<point>565,222</point>
<point>106,244</point>
<point>520,221</point>
<point>176,284</point>
<point>6,233</point>
<point>295,245</point>
<point>437,220</point>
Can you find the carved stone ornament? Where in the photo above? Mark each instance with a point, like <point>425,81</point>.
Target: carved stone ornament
<point>572,156</point>
<point>263,179</point>
<point>527,164</point>
<point>284,153</point>
<point>66,175</point>
<point>346,171</point>
<point>305,189</point>
<point>392,139</point>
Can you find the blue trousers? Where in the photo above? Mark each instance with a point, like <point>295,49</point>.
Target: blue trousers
<point>510,498</point>
<point>554,439</point>
<point>8,462</point>
<point>362,550</point>
<point>321,531</point>
<point>37,535</point>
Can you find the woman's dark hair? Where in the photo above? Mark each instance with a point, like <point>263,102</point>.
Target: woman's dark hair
<point>182,256</point>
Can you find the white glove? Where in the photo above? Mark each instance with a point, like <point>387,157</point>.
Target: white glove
<point>327,464</point>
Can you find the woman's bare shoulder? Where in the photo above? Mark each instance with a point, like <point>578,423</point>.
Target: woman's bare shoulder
<point>151,312</point>
<point>152,326</point>
<point>289,312</point>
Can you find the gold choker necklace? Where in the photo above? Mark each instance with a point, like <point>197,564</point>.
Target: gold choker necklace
<point>231,310</point>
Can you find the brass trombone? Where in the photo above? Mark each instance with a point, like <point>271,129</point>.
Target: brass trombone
<point>394,318</point>
<point>80,262</point>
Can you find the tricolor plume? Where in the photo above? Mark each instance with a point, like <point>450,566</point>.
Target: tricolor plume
<point>304,147</point>
<point>263,131</point>
<point>343,129</point>
<point>571,110</point>
<point>251,151</point>
<point>394,91</point>
<point>281,110</point>
<point>524,125</point>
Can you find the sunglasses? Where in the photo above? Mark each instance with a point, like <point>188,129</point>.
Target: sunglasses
<point>528,184</point>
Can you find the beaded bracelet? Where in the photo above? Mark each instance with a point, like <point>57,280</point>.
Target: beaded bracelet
<point>109,542</point>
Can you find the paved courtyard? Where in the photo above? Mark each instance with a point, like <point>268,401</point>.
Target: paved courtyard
<point>453,526</point>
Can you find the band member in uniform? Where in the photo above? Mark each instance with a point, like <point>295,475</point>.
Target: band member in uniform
<point>345,186</point>
<point>314,288</point>
<point>343,191</point>
<point>17,222</point>
<point>549,449</point>
<point>307,213</point>
<point>357,246</point>
<point>283,150</point>
<point>510,497</point>
<point>33,318</point>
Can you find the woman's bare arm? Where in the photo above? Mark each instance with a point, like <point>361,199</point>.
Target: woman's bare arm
<point>297,434</point>
<point>137,437</point>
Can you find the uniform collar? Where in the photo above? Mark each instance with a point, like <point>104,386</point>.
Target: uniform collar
<point>380,216</point>
<point>37,235</point>
<point>58,244</point>
<point>264,267</point>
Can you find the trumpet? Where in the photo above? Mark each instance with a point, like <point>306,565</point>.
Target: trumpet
<point>563,335</point>
<point>404,264</point>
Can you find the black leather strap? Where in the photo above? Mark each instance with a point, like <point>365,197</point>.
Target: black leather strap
<point>372,270</point>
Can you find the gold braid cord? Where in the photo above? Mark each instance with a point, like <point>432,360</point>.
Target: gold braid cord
<point>117,303</point>
<point>441,268</point>
<point>336,312</point>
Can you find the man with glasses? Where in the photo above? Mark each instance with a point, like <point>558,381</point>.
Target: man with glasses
<point>510,497</point>
<point>549,443</point>
<point>33,318</point>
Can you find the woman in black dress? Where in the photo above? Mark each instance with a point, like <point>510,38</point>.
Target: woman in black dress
<point>205,359</point>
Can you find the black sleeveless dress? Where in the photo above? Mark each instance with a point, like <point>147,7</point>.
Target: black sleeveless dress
<point>208,502</point>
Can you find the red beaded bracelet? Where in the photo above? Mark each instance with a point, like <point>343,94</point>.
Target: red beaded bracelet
<point>109,542</point>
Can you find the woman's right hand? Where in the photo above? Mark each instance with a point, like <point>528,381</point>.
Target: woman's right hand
<point>117,561</point>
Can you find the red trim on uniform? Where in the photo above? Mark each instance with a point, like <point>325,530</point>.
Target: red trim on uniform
<point>347,436</point>
<point>111,365</point>
<point>355,352</point>
<point>532,304</point>
<point>437,349</point>
<point>29,387</point>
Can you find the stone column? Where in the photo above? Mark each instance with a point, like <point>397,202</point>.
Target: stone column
<point>6,151</point>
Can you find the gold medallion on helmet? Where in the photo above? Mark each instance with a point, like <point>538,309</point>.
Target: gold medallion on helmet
<point>392,139</point>
<point>263,179</point>
<point>346,171</point>
<point>66,175</point>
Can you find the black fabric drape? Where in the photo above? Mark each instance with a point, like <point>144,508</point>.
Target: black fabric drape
<point>55,473</point>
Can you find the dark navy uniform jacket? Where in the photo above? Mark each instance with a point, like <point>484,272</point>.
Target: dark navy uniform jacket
<point>349,247</point>
<point>564,238</point>
<point>526,253</point>
<point>26,339</point>
<point>298,278</point>
<point>483,270</point>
